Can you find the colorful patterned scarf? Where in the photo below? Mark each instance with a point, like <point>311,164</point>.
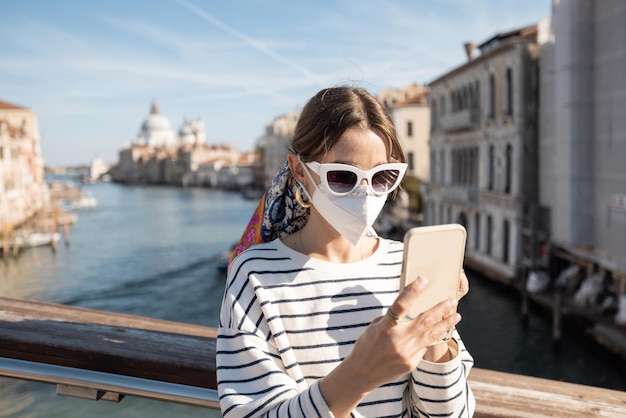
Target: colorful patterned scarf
<point>278,214</point>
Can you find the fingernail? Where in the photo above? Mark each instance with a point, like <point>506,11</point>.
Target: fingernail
<point>423,281</point>
<point>453,302</point>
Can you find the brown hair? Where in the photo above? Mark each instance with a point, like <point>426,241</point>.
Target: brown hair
<point>331,112</point>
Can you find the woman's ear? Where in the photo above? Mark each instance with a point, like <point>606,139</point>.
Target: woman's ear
<point>297,171</point>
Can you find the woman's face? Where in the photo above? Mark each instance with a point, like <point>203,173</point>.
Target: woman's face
<point>361,148</point>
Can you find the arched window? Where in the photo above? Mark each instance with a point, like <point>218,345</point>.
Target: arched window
<point>489,228</point>
<point>477,231</point>
<point>442,167</point>
<point>491,167</point>
<point>508,169</point>
<point>433,164</point>
<point>505,241</point>
<point>509,91</point>
<point>492,96</point>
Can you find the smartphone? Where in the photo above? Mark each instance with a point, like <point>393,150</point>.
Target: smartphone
<point>435,252</point>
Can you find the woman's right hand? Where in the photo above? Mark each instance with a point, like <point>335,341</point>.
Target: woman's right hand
<point>387,350</point>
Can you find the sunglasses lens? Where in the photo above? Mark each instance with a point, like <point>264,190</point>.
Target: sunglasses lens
<point>384,180</point>
<point>341,181</point>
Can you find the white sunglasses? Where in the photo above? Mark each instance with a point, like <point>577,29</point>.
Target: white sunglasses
<point>343,179</point>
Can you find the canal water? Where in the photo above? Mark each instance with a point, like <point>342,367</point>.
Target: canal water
<point>150,251</point>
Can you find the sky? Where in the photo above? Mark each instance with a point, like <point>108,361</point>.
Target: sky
<point>91,69</point>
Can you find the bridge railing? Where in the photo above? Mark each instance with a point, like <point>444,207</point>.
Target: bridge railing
<point>105,356</point>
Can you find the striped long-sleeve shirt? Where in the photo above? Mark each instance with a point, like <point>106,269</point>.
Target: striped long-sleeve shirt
<point>287,320</point>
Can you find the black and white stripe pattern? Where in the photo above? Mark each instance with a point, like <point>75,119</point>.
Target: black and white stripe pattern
<point>287,320</point>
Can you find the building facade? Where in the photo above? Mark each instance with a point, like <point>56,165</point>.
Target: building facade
<point>483,149</point>
<point>583,134</point>
<point>276,142</point>
<point>23,190</point>
<point>410,112</point>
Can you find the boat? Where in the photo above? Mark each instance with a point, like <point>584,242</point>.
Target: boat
<point>85,201</point>
<point>40,239</point>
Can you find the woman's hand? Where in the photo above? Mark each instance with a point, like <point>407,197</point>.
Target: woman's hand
<point>387,350</point>
<point>463,285</point>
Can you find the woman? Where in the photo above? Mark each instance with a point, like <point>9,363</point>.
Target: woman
<point>312,324</point>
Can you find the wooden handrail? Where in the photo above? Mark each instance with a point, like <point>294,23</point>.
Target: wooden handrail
<point>182,355</point>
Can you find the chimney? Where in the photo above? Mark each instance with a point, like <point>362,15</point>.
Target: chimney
<point>469,49</point>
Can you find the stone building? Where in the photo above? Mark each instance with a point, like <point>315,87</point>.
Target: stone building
<point>409,110</point>
<point>483,149</point>
<point>276,142</point>
<point>582,163</point>
<point>23,190</point>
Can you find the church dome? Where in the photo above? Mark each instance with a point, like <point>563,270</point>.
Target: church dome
<point>156,130</point>
<point>156,123</point>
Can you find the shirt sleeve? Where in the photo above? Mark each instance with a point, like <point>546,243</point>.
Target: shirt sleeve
<point>441,389</point>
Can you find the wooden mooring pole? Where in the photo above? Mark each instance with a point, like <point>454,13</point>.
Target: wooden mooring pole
<point>557,309</point>
<point>524,292</point>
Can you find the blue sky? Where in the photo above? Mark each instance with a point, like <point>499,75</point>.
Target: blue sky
<point>90,69</point>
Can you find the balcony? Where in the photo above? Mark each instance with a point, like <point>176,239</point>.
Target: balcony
<point>467,194</point>
<point>460,120</point>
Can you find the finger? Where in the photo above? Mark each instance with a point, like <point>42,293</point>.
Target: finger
<point>432,317</point>
<point>401,305</point>
<point>443,330</point>
<point>435,322</point>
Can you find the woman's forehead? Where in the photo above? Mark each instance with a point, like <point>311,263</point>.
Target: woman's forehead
<point>359,146</point>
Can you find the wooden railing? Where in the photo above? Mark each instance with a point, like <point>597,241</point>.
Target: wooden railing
<point>102,355</point>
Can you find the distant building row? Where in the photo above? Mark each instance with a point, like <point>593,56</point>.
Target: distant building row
<point>159,156</point>
<point>23,191</point>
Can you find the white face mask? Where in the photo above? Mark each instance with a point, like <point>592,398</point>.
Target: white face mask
<point>351,215</point>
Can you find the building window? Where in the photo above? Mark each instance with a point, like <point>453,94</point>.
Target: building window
<point>474,174</point>
<point>509,91</point>
<point>409,129</point>
<point>410,159</point>
<point>505,242</point>
<point>477,231</point>
<point>491,167</point>
<point>433,164</point>
<point>508,169</point>
<point>489,227</point>
<point>442,168</point>
<point>440,215</point>
<point>475,106</point>
<point>492,96</point>
<point>442,104</point>
<point>433,115</point>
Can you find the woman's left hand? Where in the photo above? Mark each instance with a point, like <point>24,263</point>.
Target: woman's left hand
<point>463,285</point>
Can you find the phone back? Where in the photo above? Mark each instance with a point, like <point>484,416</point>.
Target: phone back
<point>435,252</point>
